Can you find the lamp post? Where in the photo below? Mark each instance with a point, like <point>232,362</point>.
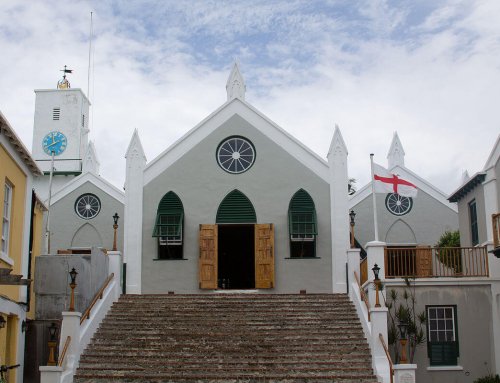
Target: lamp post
<point>52,345</point>
<point>403,331</point>
<point>376,281</point>
<point>115,226</point>
<point>73,275</point>
<point>352,214</point>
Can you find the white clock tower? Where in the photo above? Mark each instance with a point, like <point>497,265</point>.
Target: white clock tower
<point>60,133</point>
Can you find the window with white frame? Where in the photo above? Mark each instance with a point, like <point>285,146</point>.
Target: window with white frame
<point>442,335</point>
<point>6,221</point>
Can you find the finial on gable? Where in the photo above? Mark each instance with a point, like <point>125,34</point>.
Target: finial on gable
<point>465,177</point>
<point>337,145</point>
<point>396,154</point>
<point>90,161</point>
<point>235,86</point>
<point>135,150</point>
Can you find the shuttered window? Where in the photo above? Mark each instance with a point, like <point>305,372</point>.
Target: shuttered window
<point>473,223</point>
<point>168,227</point>
<point>236,208</point>
<point>302,225</point>
<point>442,335</point>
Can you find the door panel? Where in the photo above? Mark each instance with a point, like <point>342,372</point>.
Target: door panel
<point>208,257</point>
<point>264,256</point>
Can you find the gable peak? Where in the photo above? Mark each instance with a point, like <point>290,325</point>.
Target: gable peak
<point>396,154</point>
<point>235,85</point>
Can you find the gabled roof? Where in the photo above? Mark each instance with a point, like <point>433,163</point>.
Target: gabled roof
<point>94,179</point>
<point>18,145</point>
<point>470,183</point>
<point>475,180</point>
<point>406,174</point>
<point>239,107</point>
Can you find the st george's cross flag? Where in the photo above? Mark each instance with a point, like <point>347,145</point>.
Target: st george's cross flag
<point>385,182</point>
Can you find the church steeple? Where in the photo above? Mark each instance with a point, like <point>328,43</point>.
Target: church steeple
<point>235,86</point>
<point>396,154</point>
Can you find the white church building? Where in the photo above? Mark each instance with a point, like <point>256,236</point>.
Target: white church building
<point>236,203</point>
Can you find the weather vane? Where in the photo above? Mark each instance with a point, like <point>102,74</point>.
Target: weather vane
<point>64,83</point>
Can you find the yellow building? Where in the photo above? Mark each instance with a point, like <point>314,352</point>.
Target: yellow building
<point>20,228</point>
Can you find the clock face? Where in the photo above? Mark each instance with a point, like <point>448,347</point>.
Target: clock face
<point>54,142</point>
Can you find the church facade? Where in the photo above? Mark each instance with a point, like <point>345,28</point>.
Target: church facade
<point>237,203</point>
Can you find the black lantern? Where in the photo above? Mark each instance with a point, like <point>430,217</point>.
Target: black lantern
<point>53,332</point>
<point>2,321</point>
<point>403,329</point>
<point>352,215</point>
<point>73,275</point>
<point>115,218</point>
<point>376,270</point>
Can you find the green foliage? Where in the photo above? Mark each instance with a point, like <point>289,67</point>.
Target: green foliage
<point>401,307</point>
<point>488,379</point>
<point>449,239</point>
<point>448,251</point>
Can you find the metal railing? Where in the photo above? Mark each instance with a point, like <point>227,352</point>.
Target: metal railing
<point>495,218</point>
<point>391,365</point>
<point>363,295</point>
<point>97,296</point>
<point>64,351</point>
<point>429,262</point>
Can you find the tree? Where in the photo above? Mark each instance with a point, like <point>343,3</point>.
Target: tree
<point>448,250</point>
<point>401,307</point>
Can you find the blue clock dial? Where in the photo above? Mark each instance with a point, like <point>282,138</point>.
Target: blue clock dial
<point>54,142</point>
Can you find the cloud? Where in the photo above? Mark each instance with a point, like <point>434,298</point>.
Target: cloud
<point>425,69</point>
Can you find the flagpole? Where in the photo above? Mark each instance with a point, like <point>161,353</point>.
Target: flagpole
<point>48,208</point>
<point>374,200</point>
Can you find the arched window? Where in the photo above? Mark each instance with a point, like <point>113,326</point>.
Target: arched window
<point>236,208</point>
<point>168,227</point>
<point>302,225</point>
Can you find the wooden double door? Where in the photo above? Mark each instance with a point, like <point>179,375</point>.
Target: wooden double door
<point>210,267</point>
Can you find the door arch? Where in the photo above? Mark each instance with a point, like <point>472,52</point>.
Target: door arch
<point>236,208</point>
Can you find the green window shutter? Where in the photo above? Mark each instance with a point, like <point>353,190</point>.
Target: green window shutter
<point>443,353</point>
<point>169,217</point>
<point>302,215</point>
<point>236,208</point>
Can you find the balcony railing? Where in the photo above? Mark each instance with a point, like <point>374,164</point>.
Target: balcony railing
<point>429,262</point>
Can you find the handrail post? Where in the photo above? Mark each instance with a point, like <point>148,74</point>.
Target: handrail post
<point>353,259</point>
<point>375,255</point>
<point>115,267</point>
<point>378,322</point>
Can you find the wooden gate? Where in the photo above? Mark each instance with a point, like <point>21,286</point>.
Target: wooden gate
<point>208,257</point>
<point>264,256</point>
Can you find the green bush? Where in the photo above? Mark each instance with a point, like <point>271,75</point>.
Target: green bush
<point>488,379</point>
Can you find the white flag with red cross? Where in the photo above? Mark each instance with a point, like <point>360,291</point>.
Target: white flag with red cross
<point>385,182</point>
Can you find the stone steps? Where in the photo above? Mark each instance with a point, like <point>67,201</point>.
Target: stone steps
<point>228,338</point>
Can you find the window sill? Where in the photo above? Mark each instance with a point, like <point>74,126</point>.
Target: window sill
<point>170,259</point>
<point>303,258</point>
<point>445,368</point>
<point>4,257</point>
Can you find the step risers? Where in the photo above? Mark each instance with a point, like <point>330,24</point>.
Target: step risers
<point>228,338</point>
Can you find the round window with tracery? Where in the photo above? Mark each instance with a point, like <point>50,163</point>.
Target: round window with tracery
<point>398,205</point>
<point>87,206</point>
<point>235,155</point>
